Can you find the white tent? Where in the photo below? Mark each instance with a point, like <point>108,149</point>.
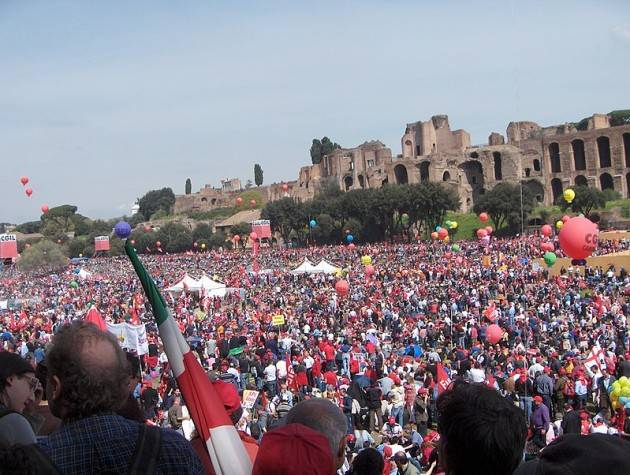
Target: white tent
<point>212,288</point>
<point>188,283</point>
<point>325,267</point>
<point>305,267</point>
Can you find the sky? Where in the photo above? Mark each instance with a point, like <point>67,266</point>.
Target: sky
<point>103,101</point>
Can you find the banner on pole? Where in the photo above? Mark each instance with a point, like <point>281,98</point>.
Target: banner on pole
<point>8,246</point>
<point>130,337</point>
<point>101,243</point>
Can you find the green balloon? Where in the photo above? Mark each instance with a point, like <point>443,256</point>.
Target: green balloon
<point>550,258</point>
<point>455,247</point>
<point>74,284</point>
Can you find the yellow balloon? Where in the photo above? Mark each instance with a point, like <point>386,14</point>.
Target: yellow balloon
<point>622,381</point>
<point>366,260</point>
<point>569,195</point>
<point>615,405</point>
<point>203,245</point>
<point>559,224</point>
<point>454,225</point>
<point>447,239</point>
<point>625,391</point>
<point>616,392</point>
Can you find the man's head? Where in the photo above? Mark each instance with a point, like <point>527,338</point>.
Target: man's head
<point>538,400</point>
<point>326,418</point>
<point>401,459</point>
<point>88,372</point>
<point>479,428</point>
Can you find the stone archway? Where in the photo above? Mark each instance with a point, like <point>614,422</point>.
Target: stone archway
<point>556,188</point>
<point>579,158</point>
<point>606,181</point>
<point>446,176</point>
<point>498,169</point>
<point>348,182</point>
<point>424,171</point>
<point>400,173</point>
<point>554,157</point>
<point>603,150</point>
<point>473,179</point>
<point>536,188</point>
<point>581,180</point>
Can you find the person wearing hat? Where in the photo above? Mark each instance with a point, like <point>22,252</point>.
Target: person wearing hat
<point>539,422</point>
<point>17,388</point>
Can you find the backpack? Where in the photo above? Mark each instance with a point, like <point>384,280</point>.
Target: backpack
<point>569,388</point>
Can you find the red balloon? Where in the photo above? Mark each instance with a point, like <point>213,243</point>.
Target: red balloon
<point>442,233</point>
<point>434,235</point>
<point>285,187</point>
<point>24,180</point>
<point>351,246</point>
<point>459,259</point>
<point>494,333</point>
<point>448,255</point>
<point>489,229</point>
<point>252,202</point>
<point>239,201</point>
<point>133,242</point>
<point>547,246</point>
<point>578,237</point>
<point>342,287</point>
<point>253,235</point>
<point>45,209</point>
<point>481,233</point>
<point>369,270</point>
<point>29,192</point>
<point>546,230</point>
<point>565,218</point>
<point>147,228</point>
<point>483,217</point>
<point>158,244</point>
<point>237,238</point>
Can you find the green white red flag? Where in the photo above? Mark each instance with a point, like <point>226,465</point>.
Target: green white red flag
<point>212,422</point>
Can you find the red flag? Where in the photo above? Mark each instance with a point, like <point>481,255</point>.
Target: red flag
<point>291,382</point>
<point>135,320</point>
<point>93,316</point>
<point>443,379</point>
<point>491,312</point>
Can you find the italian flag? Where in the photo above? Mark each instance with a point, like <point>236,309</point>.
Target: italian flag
<point>213,425</point>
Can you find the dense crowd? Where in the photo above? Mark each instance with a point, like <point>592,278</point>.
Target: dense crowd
<point>382,353</point>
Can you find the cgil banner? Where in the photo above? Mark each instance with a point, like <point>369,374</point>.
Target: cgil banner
<point>130,337</point>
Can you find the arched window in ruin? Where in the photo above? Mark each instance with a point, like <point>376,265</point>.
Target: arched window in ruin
<point>204,200</point>
<point>628,184</point>
<point>581,180</point>
<point>348,182</point>
<point>400,173</point>
<point>424,171</point>
<point>536,165</point>
<point>473,177</point>
<point>361,181</point>
<point>213,201</point>
<point>626,148</point>
<point>408,148</point>
<point>579,159</point>
<point>498,172</point>
<point>554,157</point>
<point>606,181</point>
<point>603,149</point>
<point>446,176</point>
<point>528,172</point>
<point>474,155</point>
<point>556,188</point>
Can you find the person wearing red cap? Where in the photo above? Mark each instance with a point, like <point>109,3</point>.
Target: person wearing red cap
<point>539,422</point>
<point>391,428</point>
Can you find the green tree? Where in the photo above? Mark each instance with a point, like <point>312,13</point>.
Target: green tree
<point>217,240</point>
<point>29,227</point>
<point>285,215</point>
<point>188,186</point>
<point>320,148</point>
<point>155,200</point>
<point>175,237</point>
<point>45,256</point>
<point>586,199</point>
<point>258,175</point>
<point>242,229</point>
<point>503,204</point>
<point>203,232</point>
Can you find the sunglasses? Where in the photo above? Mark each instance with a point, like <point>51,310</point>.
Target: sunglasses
<point>32,382</point>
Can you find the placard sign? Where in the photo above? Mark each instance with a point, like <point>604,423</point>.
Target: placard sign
<point>8,246</point>
<point>262,227</point>
<point>101,243</point>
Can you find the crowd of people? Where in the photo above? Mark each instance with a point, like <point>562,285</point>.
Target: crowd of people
<point>392,376</point>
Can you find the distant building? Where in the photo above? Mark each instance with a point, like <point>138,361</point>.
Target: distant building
<point>547,160</point>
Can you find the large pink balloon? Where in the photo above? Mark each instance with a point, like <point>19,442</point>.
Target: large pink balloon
<point>578,237</point>
<point>342,287</point>
<point>546,230</point>
<point>494,333</point>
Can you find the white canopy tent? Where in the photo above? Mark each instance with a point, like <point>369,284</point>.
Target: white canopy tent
<point>83,274</point>
<point>187,283</point>
<point>325,267</point>
<point>212,288</point>
<point>305,267</point>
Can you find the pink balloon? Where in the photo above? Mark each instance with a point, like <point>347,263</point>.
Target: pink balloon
<point>565,218</point>
<point>483,217</point>
<point>29,192</point>
<point>494,333</point>
<point>489,229</point>
<point>481,233</point>
<point>24,180</point>
<point>546,230</point>
<point>578,237</point>
<point>369,270</point>
<point>342,287</point>
<point>547,246</point>
<point>253,235</point>
<point>442,233</point>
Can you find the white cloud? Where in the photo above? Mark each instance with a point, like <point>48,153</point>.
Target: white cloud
<point>621,32</point>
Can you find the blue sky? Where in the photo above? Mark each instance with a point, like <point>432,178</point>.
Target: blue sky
<point>102,101</point>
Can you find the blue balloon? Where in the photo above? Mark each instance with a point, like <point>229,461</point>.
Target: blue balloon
<point>624,400</point>
<point>437,228</point>
<point>76,271</point>
<point>350,238</point>
<point>122,229</point>
<point>628,405</point>
<point>313,223</point>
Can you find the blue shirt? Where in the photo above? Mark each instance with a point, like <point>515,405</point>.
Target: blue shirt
<point>106,443</point>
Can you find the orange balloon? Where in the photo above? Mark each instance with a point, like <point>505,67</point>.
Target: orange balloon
<point>239,201</point>
<point>29,192</point>
<point>483,217</point>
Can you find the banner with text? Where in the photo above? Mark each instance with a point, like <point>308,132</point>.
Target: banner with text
<point>130,337</point>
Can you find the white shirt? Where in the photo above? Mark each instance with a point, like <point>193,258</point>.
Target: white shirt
<point>477,375</point>
<point>270,373</point>
<point>281,367</point>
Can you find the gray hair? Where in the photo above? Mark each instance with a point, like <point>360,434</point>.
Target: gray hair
<point>324,417</point>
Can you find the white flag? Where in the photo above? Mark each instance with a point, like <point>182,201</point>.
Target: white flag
<point>130,337</point>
